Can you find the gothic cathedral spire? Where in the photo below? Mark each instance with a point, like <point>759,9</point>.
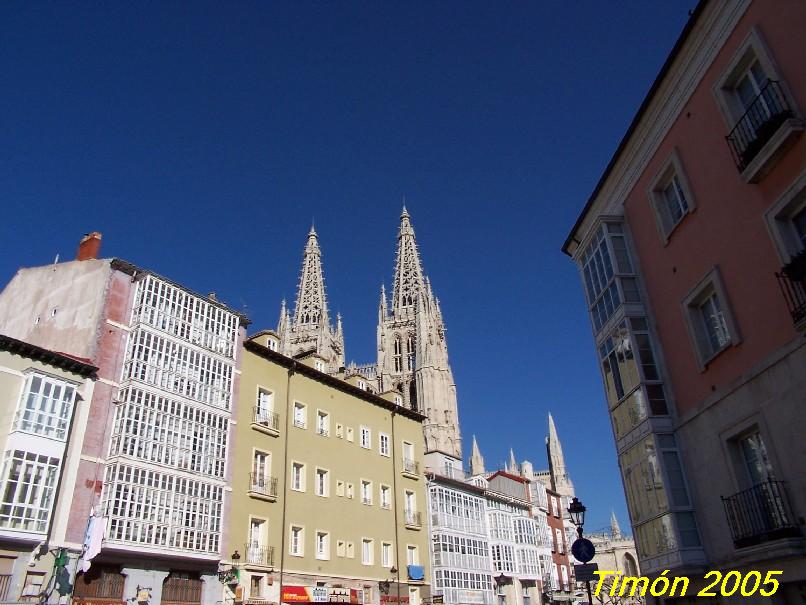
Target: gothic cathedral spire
<point>310,330</point>
<point>412,352</point>
<point>560,479</point>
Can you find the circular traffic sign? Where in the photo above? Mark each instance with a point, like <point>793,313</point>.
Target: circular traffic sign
<point>583,550</point>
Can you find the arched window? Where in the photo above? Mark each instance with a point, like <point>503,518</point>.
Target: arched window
<point>410,353</point>
<point>398,357</point>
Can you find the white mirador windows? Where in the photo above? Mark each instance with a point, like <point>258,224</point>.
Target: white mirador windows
<point>671,196</point>
<point>709,320</point>
<point>45,407</point>
<point>27,490</point>
<point>366,438</point>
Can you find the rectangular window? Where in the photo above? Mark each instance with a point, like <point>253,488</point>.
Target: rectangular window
<point>27,490</point>
<point>383,443</point>
<point>322,482</point>
<point>366,492</point>
<point>298,476</point>
<point>366,551</point>
<point>297,542</point>
<point>670,196</point>
<point>340,487</point>
<point>709,321</point>
<point>412,557</point>
<point>349,490</point>
<point>300,415</point>
<point>386,554</point>
<point>265,401</point>
<point>386,496</point>
<point>350,436</point>
<point>322,545</point>
<point>754,456</point>
<point>322,423</point>
<point>366,437</point>
<point>45,407</point>
<point>350,550</point>
<point>339,431</point>
<point>341,548</point>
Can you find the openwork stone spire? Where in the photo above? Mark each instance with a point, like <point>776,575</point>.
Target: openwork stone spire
<point>560,479</point>
<point>310,330</point>
<point>311,307</point>
<point>408,282</point>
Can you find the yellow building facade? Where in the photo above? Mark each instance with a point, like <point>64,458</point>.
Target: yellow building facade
<point>328,497</point>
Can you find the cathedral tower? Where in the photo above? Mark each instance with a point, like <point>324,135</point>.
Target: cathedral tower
<point>310,330</point>
<point>560,479</point>
<point>412,352</point>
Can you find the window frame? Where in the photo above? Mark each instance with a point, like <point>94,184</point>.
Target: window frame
<point>708,286</point>
<point>371,543</point>
<point>322,428</point>
<point>778,218</point>
<point>320,471</point>
<point>317,554</point>
<point>365,431</point>
<point>383,437</point>
<point>671,169</point>
<point>301,543</point>
<point>303,478</point>
<point>304,407</point>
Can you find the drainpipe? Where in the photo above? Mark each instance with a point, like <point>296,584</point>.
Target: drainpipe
<point>291,372</point>
<point>398,562</point>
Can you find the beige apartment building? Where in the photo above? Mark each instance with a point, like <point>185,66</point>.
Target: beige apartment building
<point>327,491</point>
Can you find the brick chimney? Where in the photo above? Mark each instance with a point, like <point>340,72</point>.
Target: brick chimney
<point>89,247</point>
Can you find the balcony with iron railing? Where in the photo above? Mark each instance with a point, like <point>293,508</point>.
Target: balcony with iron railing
<point>760,514</point>
<point>266,421</point>
<point>761,121</point>
<point>258,555</point>
<point>413,519</point>
<point>5,584</point>
<point>792,280</point>
<point>262,487</point>
<point>411,468</point>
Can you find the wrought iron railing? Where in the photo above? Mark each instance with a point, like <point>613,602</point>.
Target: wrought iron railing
<point>257,554</point>
<point>5,583</point>
<point>760,514</point>
<point>413,518</point>
<point>262,484</point>
<point>411,466</point>
<point>181,590</point>
<point>267,418</point>
<point>792,280</point>
<point>762,119</point>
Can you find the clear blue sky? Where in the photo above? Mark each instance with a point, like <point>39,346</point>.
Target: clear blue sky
<point>202,139</point>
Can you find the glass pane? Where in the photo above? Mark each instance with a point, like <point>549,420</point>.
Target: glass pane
<point>756,459</point>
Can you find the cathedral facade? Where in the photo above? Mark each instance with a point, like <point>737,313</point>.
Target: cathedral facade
<point>412,353</point>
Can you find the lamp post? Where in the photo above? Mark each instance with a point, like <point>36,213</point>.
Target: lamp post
<point>582,549</point>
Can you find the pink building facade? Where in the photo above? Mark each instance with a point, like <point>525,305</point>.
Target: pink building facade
<point>692,252</point>
<point>154,467</point>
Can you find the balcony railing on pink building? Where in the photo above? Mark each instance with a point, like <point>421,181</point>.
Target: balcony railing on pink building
<point>792,280</point>
<point>759,123</point>
<point>760,514</point>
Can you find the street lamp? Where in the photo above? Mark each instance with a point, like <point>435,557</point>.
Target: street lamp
<point>577,512</point>
<point>500,580</point>
<point>582,549</point>
<point>235,557</point>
